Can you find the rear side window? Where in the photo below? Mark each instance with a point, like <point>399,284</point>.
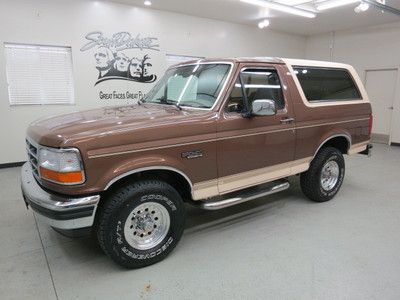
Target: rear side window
<point>322,84</point>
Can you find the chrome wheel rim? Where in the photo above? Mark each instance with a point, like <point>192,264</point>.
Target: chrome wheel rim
<point>329,175</point>
<point>147,225</point>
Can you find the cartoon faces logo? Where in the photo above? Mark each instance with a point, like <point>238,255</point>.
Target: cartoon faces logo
<point>113,62</point>
<point>121,62</point>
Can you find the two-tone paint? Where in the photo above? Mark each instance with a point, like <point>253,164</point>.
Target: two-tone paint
<point>236,152</point>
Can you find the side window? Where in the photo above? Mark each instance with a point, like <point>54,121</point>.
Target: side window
<point>258,84</point>
<point>322,84</point>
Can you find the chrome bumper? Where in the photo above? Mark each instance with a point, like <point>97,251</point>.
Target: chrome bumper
<point>60,212</point>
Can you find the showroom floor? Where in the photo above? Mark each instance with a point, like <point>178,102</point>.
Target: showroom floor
<point>280,247</point>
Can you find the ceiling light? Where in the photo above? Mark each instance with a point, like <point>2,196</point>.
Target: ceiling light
<point>335,3</point>
<point>362,7</point>
<point>263,24</point>
<point>147,2</point>
<point>281,7</point>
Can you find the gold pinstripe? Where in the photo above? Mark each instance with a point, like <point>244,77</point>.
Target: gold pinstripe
<point>221,139</point>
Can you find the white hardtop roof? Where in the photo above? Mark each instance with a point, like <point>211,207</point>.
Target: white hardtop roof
<point>266,59</point>
<point>315,63</point>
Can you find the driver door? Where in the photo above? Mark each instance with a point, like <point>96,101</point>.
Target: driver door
<point>257,149</point>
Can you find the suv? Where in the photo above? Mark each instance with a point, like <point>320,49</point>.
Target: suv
<point>212,133</point>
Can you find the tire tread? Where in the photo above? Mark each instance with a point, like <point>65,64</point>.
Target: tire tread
<point>112,204</point>
<point>309,181</point>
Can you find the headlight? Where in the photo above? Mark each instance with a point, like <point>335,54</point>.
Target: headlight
<point>63,166</point>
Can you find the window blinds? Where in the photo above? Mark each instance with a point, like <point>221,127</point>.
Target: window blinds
<point>38,75</point>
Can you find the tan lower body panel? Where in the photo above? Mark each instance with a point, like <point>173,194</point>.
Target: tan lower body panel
<point>227,184</point>
<point>357,148</point>
<point>205,189</point>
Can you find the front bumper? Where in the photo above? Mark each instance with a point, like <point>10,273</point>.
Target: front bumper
<point>60,212</point>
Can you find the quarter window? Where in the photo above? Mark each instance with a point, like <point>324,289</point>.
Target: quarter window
<point>258,84</point>
<point>321,84</point>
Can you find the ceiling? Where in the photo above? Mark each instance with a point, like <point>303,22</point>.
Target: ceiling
<point>238,12</point>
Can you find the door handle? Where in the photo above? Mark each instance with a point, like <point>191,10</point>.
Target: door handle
<point>391,107</point>
<point>287,120</point>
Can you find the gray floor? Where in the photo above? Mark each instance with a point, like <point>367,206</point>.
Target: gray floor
<point>280,247</point>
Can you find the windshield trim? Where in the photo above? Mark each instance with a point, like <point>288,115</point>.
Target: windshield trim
<point>218,98</point>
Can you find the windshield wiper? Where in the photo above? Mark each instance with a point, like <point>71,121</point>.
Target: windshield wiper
<point>170,102</point>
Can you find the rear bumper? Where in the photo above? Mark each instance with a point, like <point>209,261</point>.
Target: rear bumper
<point>361,148</point>
<point>60,212</point>
<point>367,150</point>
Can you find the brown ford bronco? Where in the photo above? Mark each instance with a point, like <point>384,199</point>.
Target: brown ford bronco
<point>212,133</point>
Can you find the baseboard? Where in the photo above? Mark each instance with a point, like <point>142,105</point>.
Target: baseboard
<point>12,165</point>
<point>395,144</point>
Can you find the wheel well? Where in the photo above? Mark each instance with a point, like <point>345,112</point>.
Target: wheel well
<point>176,180</point>
<point>339,142</point>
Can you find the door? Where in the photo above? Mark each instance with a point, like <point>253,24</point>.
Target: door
<point>381,88</point>
<point>256,149</point>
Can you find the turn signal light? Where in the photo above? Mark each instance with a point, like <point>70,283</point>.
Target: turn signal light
<point>58,177</point>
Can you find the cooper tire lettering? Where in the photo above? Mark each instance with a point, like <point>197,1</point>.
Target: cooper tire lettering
<point>120,205</point>
<point>158,197</point>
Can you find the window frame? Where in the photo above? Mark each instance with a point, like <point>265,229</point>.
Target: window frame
<point>258,67</point>
<point>226,83</point>
<point>294,67</point>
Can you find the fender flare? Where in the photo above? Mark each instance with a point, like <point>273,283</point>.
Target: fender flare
<point>345,135</point>
<point>150,168</point>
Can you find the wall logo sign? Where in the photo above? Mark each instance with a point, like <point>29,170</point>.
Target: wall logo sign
<point>122,56</point>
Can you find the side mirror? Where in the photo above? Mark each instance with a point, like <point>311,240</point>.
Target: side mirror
<point>263,107</point>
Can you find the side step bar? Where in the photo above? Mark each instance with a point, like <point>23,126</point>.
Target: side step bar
<point>252,193</point>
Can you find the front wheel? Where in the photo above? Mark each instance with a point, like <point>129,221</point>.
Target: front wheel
<point>141,223</point>
<point>325,176</point>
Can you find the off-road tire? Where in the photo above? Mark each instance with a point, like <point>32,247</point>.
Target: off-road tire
<point>117,208</point>
<point>310,181</point>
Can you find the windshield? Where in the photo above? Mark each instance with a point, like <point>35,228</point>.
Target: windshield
<point>191,86</point>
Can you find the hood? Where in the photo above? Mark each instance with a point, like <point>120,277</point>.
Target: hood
<point>59,131</point>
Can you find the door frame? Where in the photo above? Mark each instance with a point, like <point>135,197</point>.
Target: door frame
<point>396,99</point>
<point>239,180</point>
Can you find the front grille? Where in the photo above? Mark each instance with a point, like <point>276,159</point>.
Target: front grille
<point>32,150</point>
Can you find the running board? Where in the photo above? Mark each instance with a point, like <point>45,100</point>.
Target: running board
<point>252,193</point>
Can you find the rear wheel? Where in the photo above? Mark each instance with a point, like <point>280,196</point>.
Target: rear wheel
<point>325,176</point>
<point>141,223</point>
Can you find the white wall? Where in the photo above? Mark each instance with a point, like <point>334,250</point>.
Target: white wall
<point>368,48</point>
<point>60,22</point>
